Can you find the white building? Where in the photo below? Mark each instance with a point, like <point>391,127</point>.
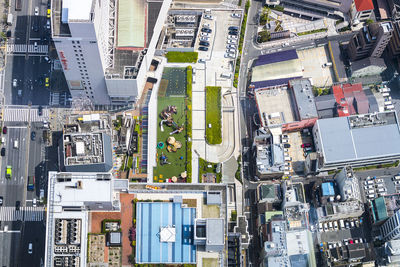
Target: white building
<point>348,185</point>
<point>70,198</point>
<point>105,56</point>
<point>391,228</point>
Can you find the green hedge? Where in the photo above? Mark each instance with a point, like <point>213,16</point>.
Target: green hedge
<point>188,100</point>
<point>213,115</point>
<point>182,57</point>
<point>240,48</point>
<point>313,31</point>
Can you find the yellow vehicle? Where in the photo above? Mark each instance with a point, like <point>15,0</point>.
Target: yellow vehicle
<point>47,82</point>
<point>48,13</point>
<point>9,172</point>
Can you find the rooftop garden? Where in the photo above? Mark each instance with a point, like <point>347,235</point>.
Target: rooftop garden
<point>174,126</point>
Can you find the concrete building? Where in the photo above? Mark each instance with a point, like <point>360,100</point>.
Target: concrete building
<point>304,99</point>
<point>326,106</point>
<point>370,41</point>
<point>70,198</point>
<point>390,230</point>
<point>270,162</point>
<point>86,144</point>
<point>392,253</point>
<point>394,44</point>
<point>348,185</point>
<point>105,56</point>
<point>361,10</point>
<point>394,9</point>
<point>314,9</point>
<point>357,140</point>
<point>370,66</point>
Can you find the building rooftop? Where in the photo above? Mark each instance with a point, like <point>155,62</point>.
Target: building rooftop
<point>328,189</point>
<point>269,192</point>
<point>151,217</point>
<point>270,157</point>
<point>359,137</point>
<point>76,10</point>
<point>75,189</point>
<point>276,57</point>
<point>379,211</point>
<point>131,23</point>
<point>304,97</point>
<point>364,5</point>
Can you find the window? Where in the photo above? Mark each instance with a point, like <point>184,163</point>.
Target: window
<point>73,42</point>
<point>81,54</point>
<point>77,42</point>
<point>76,56</point>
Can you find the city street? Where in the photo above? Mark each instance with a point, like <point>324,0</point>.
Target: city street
<point>26,71</point>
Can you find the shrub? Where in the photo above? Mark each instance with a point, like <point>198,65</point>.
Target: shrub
<point>278,8</point>
<point>213,115</point>
<point>264,36</point>
<point>233,215</point>
<point>182,57</point>
<point>369,21</point>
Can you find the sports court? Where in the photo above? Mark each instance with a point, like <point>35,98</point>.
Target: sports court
<point>165,233</point>
<point>173,82</point>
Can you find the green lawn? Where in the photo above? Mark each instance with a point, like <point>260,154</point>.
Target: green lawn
<point>180,161</point>
<point>204,169</point>
<point>213,115</point>
<point>182,57</point>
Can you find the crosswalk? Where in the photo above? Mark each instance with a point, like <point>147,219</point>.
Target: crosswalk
<point>25,114</point>
<point>28,214</point>
<point>21,48</point>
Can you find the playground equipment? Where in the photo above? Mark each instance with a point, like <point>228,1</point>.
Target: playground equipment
<point>166,116</point>
<point>164,159</point>
<point>160,145</point>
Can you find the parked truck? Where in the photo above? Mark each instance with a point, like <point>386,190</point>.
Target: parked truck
<point>9,19</point>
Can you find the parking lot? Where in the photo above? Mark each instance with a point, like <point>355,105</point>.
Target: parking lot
<point>374,187</point>
<point>296,152</point>
<point>342,232</point>
<point>219,67</point>
<point>312,61</point>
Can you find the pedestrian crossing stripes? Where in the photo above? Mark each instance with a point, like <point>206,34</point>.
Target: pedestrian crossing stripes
<point>30,214</point>
<point>21,48</point>
<point>25,114</point>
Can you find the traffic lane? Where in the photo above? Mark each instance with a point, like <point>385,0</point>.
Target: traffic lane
<point>32,232</point>
<point>17,153</point>
<point>16,70</point>
<point>9,248</point>
<point>36,157</point>
<point>40,95</point>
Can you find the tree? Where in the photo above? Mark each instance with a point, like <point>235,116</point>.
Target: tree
<point>264,36</point>
<point>369,21</point>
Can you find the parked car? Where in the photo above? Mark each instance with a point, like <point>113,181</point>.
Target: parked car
<point>201,60</point>
<point>320,228</point>
<point>3,151</point>
<point>305,145</point>
<point>231,41</point>
<point>206,30</point>
<point>230,46</point>
<point>204,38</point>
<point>233,37</point>
<point>233,28</point>
<point>335,225</point>
<point>204,43</point>
<point>286,145</point>
<point>233,32</point>
<point>235,15</point>
<point>206,25</point>
<point>203,48</point>
<point>5,130</point>
<point>233,51</point>
<point>206,16</point>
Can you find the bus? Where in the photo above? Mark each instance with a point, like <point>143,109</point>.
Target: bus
<point>31,183</point>
<point>9,172</point>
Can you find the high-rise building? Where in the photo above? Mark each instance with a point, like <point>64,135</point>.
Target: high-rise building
<point>394,45</point>
<point>370,41</point>
<point>391,228</point>
<point>105,54</point>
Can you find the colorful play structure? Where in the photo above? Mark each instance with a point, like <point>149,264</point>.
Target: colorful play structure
<point>167,118</point>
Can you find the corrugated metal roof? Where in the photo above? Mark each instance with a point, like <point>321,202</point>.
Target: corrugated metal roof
<point>131,24</point>
<point>340,143</point>
<point>270,83</point>
<point>276,57</point>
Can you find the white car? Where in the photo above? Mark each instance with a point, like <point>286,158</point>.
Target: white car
<point>205,34</point>
<point>397,182</point>
<point>230,46</point>
<point>206,16</point>
<point>15,83</point>
<point>233,37</point>
<point>232,41</point>
<point>230,51</point>
<point>36,11</point>
<point>204,38</point>
<point>206,25</point>
<point>235,15</point>
<point>379,181</point>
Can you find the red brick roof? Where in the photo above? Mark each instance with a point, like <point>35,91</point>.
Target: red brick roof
<point>363,5</point>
